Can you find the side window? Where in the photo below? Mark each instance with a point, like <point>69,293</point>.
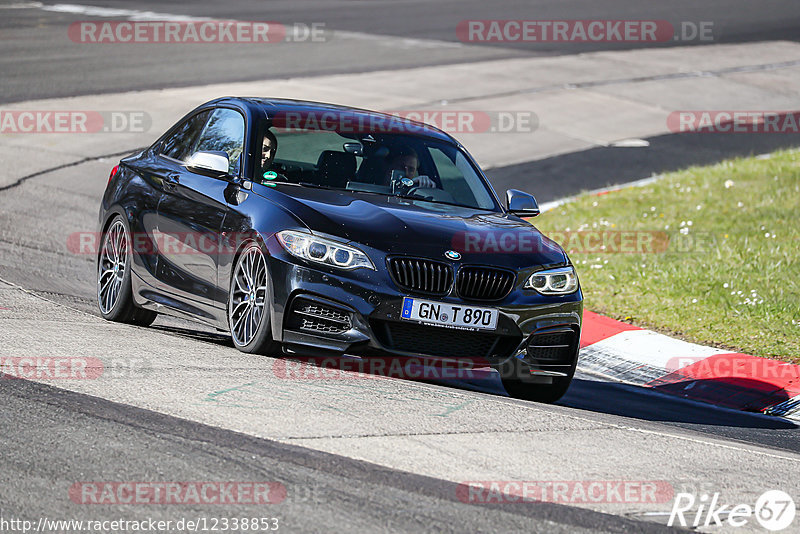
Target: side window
<point>305,146</point>
<point>452,178</point>
<point>178,145</point>
<point>224,132</point>
<point>459,178</point>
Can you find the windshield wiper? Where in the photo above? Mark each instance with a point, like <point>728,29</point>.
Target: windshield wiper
<point>411,197</point>
<point>395,195</point>
<point>320,186</point>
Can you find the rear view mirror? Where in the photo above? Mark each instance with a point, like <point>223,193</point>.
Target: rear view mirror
<point>521,203</point>
<point>208,163</point>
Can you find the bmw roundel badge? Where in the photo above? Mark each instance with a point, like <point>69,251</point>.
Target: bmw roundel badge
<point>453,255</point>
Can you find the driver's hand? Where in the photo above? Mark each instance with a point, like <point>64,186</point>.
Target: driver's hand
<point>424,182</point>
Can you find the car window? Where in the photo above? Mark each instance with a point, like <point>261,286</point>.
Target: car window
<point>458,177</point>
<point>306,146</point>
<point>377,163</point>
<point>224,132</point>
<point>179,144</point>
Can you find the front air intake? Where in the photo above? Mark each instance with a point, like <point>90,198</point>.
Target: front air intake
<point>552,346</point>
<point>310,316</point>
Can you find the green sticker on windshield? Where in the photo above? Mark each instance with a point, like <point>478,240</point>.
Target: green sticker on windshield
<point>270,175</point>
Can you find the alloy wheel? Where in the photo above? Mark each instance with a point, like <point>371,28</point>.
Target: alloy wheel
<point>248,296</point>
<point>111,267</point>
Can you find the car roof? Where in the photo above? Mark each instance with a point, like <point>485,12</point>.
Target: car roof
<point>274,106</point>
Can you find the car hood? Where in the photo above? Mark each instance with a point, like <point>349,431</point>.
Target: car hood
<point>410,227</point>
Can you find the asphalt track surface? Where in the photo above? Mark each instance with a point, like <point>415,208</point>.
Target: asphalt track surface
<point>51,438</point>
<point>37,63</point>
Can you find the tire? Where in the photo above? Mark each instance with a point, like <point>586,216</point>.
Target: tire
<point>520,389</point>
<point>142,317</point>
<point>249,303</point>
<point>114,292</point>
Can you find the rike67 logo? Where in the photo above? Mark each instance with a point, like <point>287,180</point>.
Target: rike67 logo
<point>774,510</point>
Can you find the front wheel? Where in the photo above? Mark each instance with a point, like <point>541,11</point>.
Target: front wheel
<point>114,292</point>
<point>249,303</point>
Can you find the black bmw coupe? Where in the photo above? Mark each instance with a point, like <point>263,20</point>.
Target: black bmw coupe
<point>314,229</point>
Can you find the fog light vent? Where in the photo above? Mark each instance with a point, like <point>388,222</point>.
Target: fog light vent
<point>313,316</point>
<point>551,345</point>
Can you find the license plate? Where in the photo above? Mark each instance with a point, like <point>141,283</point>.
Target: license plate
<point>449,315</point>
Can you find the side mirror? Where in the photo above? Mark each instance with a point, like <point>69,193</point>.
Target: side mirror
<point>209,163</point>
<point>357,149</point>
<point>521,203</point>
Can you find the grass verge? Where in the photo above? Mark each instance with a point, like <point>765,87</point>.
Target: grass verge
<point>710,254</point>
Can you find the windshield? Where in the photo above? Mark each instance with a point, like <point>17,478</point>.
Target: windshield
<point>396,164</point>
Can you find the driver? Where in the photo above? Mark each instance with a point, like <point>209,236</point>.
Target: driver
<point>405,160</point>
<point>268,148</point>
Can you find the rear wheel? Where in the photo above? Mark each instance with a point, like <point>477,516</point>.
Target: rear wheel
<point>513,375</point>
<point>249,303</point>
<point>114,293</point>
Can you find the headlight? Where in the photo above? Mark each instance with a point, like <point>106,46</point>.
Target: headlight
<point>559,281</point>
<point>321,250</point>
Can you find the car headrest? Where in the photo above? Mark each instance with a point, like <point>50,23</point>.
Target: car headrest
<point>336,168</point>
<point>372,171</point>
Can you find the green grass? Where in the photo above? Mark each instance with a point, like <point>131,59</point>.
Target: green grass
<point>737,286</point>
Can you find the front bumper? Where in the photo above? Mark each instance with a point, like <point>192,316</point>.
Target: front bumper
<point>371,303</point>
